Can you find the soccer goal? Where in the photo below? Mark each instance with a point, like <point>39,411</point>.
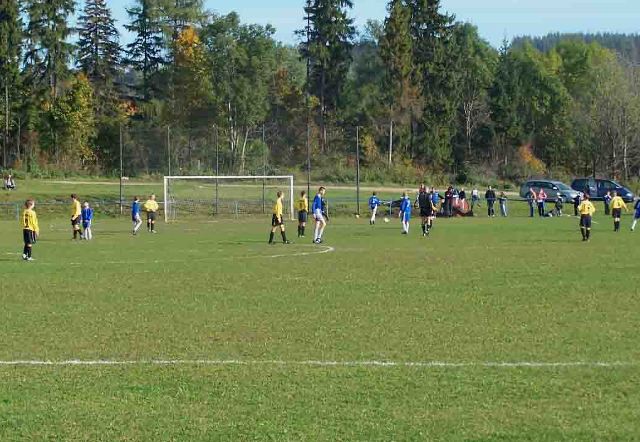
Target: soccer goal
<point>189,196</point>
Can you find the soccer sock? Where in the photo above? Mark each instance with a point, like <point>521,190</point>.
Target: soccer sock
<point>584,232</point>
<point>588,233</point>
<point>284,236</point>
<point>316,232</point>
<point>633,225</point>
<point>25,251</point>
<point>271,237</point>
<point>321,232</point>
<point>302,231</point>
<point>29,252</point>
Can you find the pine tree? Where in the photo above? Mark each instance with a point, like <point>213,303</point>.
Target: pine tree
<point>48,53</point>
<point>10,44</point>
<point>328,51</point>
<point>145,53</point>
<point>177,15</point>
<point>98,47</point>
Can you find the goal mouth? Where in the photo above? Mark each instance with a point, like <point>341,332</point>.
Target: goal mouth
<point>188,197</point>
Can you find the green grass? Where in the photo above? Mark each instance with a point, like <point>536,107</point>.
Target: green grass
<point>479,290</point>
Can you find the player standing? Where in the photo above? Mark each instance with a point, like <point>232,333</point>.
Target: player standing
<point>636,215</point>
<point>427,210</point>
<point>136,220</point>
<point>318,215</point>
<point>87,219</point>
<point>303,210</point>
<point>405,213</point>
<point>617,204</point>
<point>586,211</point>
<point>30,229</point>
<point>374,203</point>
<point>151,207</point>
<point>76,216</point>
<point>277,220</point>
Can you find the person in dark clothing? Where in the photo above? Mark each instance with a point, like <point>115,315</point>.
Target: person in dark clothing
<point>427,210</point>
<point>576,203</point>
<point>559,205</point>
<point>448,202</point>
<point>490,196</point>
<point>607,202</point>
<point>531,200</point>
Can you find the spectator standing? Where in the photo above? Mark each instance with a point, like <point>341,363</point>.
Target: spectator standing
<point>463,198</point>
<point>475,198</point>
<point>531,200</point>
<point>576,203</point>
<point>559,205</point>
<point>542,198</point>
<point>448,202</point>
<point>503,204</point>
<point>490,196</point>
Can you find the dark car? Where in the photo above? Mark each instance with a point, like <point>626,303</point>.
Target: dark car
<point>551,188</point>
<point>597,188</point>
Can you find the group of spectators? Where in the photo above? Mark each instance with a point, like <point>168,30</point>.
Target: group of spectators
<point>455,202</point>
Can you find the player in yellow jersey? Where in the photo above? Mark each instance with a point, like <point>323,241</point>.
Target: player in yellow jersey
<point>277,220</point>
<point>76,216</point>
<point>30,229</point>
<point>151,207</point>
<point>586,210</point>
<point>617,204</point>
<point>303,212</point>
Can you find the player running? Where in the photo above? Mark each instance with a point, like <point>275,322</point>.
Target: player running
<point>151,207</point>
<point>405,213</point>
<point>427,210</point>
<point>374,203</point>
<point>136,220</point>
<point>30,229</point>
<point>87,219</point>
<point>76,216</point>
<point>636,215</point>
<point>617,204</point>
<point>586,211</point>
<point>318,216</point>
<point>277,220</point>
<point>303,210</point>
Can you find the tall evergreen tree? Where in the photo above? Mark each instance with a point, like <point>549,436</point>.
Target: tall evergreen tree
<point>98,47</point>
<point>177,15</point>
<point>48,52</point>
<point>145,53</point>
<point>328,50</point>
<point>10,44</point>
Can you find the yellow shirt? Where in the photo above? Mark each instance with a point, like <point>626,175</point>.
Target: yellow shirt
<point>586,208</point>
<point>618,203</point>
<point>30,220</point>
<point>76,209</point>
<point>302,204</point>
<point>277,208</point>
<point>151,206</point>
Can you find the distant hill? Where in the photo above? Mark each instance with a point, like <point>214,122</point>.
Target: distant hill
<point>627,45</point>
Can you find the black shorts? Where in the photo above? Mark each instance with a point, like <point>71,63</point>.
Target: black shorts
<point>616,213</point>
<point>151,216</point>
<point>302,216</point>
<point>276,221</point>
<point>29,236</point>
<point>425,213</point>
<point>75,222</point>
<point>585,221</point>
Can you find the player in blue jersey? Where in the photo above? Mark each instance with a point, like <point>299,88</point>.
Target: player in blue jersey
<point>636,215</point>
<point>136,219</point>
<point>87,220</point>
<point>318,215</point>
<point>405,213</point>
<point>374,203</point>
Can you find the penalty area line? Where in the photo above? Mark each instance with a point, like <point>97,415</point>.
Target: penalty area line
<point>317,363</point>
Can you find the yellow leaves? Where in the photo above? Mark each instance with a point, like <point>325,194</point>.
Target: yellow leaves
<point>188,47</point>
<point>530,161</point>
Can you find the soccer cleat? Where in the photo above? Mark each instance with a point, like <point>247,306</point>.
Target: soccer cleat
<point>29,259</point>
<point>24,256</point>
<point>286,242</point>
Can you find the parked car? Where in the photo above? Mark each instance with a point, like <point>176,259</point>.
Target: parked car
<point>598,188</point>
<point>551,188</point>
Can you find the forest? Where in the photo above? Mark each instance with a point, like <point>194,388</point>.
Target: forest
<point>417,96</point>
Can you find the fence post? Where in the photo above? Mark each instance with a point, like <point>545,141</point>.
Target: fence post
<point>236,203</point>
<point>17,212</point>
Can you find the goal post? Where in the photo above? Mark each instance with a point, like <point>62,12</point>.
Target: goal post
<point>225,195</point>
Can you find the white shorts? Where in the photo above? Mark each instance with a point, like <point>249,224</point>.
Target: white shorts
<point>374,210</point>
<point>317,215</point>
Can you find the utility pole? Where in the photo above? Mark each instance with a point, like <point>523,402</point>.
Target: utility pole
<point>390,142</point>
<point>121,170</point>
<point>307,92</point>
<point>358,170</point>
<point>169,147</point>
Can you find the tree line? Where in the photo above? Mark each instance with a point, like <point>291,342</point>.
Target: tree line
<point>424,94</point>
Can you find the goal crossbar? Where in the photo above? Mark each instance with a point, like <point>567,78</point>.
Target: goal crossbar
<point>168,178</point>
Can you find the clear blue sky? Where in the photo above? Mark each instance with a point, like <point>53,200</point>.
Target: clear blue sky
<point>495,19</point>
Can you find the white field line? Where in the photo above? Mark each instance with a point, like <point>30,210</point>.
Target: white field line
<point>318,363</point>
<point>322,250</point>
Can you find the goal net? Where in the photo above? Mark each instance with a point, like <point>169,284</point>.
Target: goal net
<point>198,196</point>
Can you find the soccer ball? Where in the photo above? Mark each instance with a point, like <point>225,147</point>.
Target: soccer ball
<point>386,220</point>
<point>357,216</point>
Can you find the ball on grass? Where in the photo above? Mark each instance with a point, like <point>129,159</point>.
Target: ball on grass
<point>357,216</point>
<point>386,220</point>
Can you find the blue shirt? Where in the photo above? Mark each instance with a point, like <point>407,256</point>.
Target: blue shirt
<point>405,206</point>
<point>374,202</point>
<point>435,198</point>
<point>637,207</point>
<point>135,208</point>
<point>317,203</point>
<point>87,214</point>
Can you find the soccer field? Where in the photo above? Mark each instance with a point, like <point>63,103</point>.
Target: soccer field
<point>491,329</point>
